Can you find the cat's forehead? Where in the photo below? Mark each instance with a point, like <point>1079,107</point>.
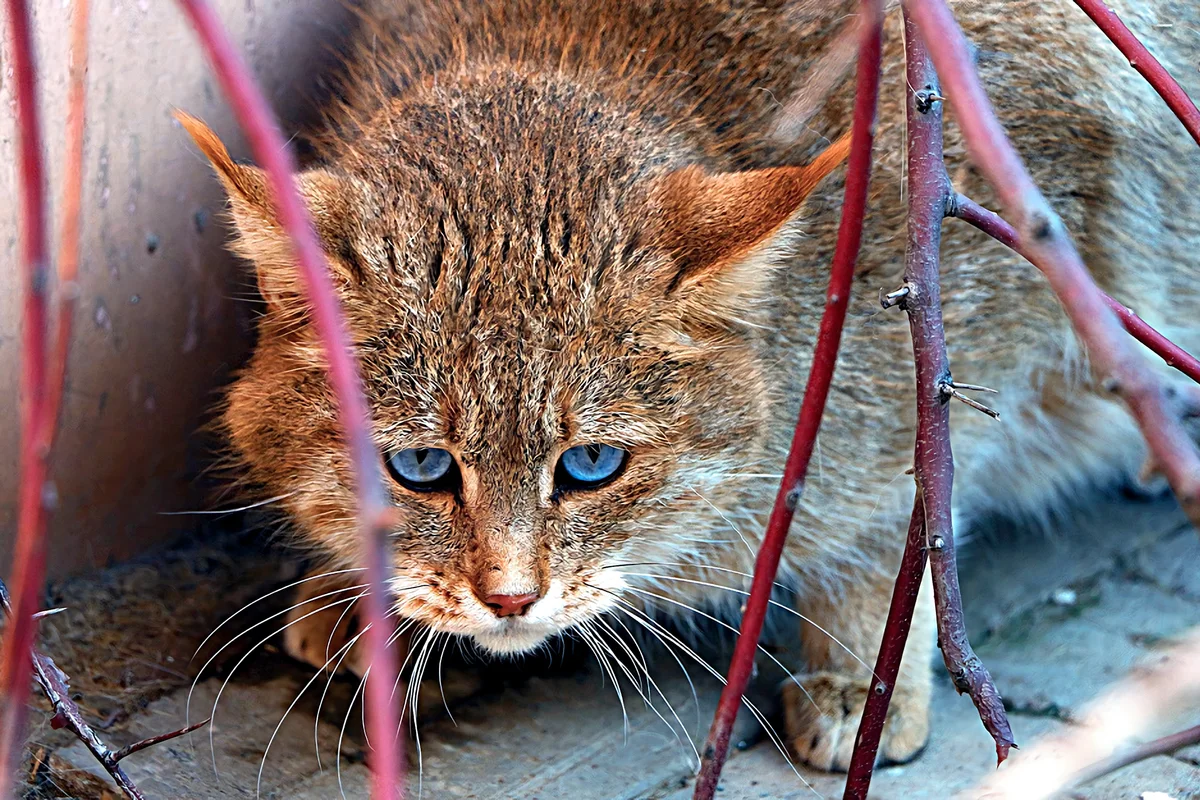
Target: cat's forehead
<point>507,390</point>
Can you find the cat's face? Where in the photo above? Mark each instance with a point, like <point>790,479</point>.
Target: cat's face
<point>556,354</point>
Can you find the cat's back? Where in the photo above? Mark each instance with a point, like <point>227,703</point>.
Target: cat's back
<point>715,71</point>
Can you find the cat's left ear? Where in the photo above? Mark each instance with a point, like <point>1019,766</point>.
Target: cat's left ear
<point>720,229</point>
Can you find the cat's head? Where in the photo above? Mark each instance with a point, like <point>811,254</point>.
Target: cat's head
<point>555,324</point>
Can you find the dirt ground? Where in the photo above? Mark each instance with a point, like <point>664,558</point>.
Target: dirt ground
<point>1056,616</point>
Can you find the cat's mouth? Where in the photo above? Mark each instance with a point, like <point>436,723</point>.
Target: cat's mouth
<point>560,609</point>
<point>514,636</point>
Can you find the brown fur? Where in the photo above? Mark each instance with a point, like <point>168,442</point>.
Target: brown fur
<point>559,223</point>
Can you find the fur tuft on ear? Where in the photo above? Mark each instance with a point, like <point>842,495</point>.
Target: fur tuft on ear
<point>715,224</point>
<point>261,240</point>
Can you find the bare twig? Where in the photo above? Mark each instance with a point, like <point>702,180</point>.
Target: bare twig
<point>1048,246</point>
<point>1080,752</point>
<point>887,662</point>
<point>1164,746</point>
<point>1140,59</point>
<point>130,749</point>
<point>813,406</point>
<point>929,196</point>
<point>374,514</point>
<point>68,244</point>
<point>34,494</point>
<point>54,685</point>
<point>993,225</point>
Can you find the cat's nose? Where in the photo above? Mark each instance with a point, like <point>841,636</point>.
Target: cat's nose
<point>510,605</point>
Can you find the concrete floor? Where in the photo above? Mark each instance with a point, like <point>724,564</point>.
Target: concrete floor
<point>1055,617</point>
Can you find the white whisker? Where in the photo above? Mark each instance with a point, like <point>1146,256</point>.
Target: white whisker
<point>666,636</point>
<point>263,763</point>
<point>217,700</point>
<point>650,682</point>
<point>729,627</point>
<point>259,504</point>
<point>774,603</point>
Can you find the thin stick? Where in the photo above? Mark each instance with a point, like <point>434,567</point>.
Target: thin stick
<point>930,196</point>
<point>1049,247</point>
<point>373,506</point>
<point>68,245</point>
<point>930,531</point>
<point>29,557</point>
<point>130,749</point>
<point>887,663</point>
<point>993,225</point>
<point>813,406</point>
<point>1140,59</point>
<point>1165,746</point>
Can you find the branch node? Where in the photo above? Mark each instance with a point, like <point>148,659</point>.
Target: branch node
<point>792,500</point>
<point>895,298</point>
<point>949,389</point>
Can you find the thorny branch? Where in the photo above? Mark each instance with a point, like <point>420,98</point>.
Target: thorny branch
<point>1049,247</point>
<point>373,507</point>
<point>812,408</point>
<point>931,530</point>
<point>929,194</point>
<point>54,685</point>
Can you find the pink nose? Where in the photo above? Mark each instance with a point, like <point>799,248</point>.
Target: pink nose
<point>510,605</point>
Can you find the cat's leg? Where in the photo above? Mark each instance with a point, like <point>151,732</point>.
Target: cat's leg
<point>324,623</point>
<point>822,719</point>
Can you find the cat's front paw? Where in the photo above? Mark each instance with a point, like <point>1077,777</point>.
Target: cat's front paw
<point>822,724</point>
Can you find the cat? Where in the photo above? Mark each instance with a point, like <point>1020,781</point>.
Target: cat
<point>583,274</point>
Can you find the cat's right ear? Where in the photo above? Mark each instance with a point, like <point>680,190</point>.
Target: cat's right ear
<point>261,239</point>
<point>723,230</point>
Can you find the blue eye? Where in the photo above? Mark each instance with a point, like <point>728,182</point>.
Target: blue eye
<point>589,465</point>
<point>423,469</point>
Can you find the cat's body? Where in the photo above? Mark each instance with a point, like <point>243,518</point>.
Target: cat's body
<point>528,264</point>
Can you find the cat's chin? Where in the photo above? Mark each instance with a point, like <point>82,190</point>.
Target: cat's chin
<point>512,639</point>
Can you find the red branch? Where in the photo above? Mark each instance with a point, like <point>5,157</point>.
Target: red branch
<point>68,244</point>
<point>1140,59</point>
<point>34,494</point>
<point>374,518</point>
<point>1049,247</point>
<point>813,406</point>
<point>994,225</point>
<point>887,663</point>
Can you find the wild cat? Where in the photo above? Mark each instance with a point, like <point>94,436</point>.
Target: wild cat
<point>583,283</point>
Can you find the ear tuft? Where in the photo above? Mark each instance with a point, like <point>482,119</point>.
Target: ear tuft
<point>331,200</point>
<point>716,222</point>
<point>247,184</point>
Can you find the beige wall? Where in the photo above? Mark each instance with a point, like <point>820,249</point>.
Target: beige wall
<point>159,324</point>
